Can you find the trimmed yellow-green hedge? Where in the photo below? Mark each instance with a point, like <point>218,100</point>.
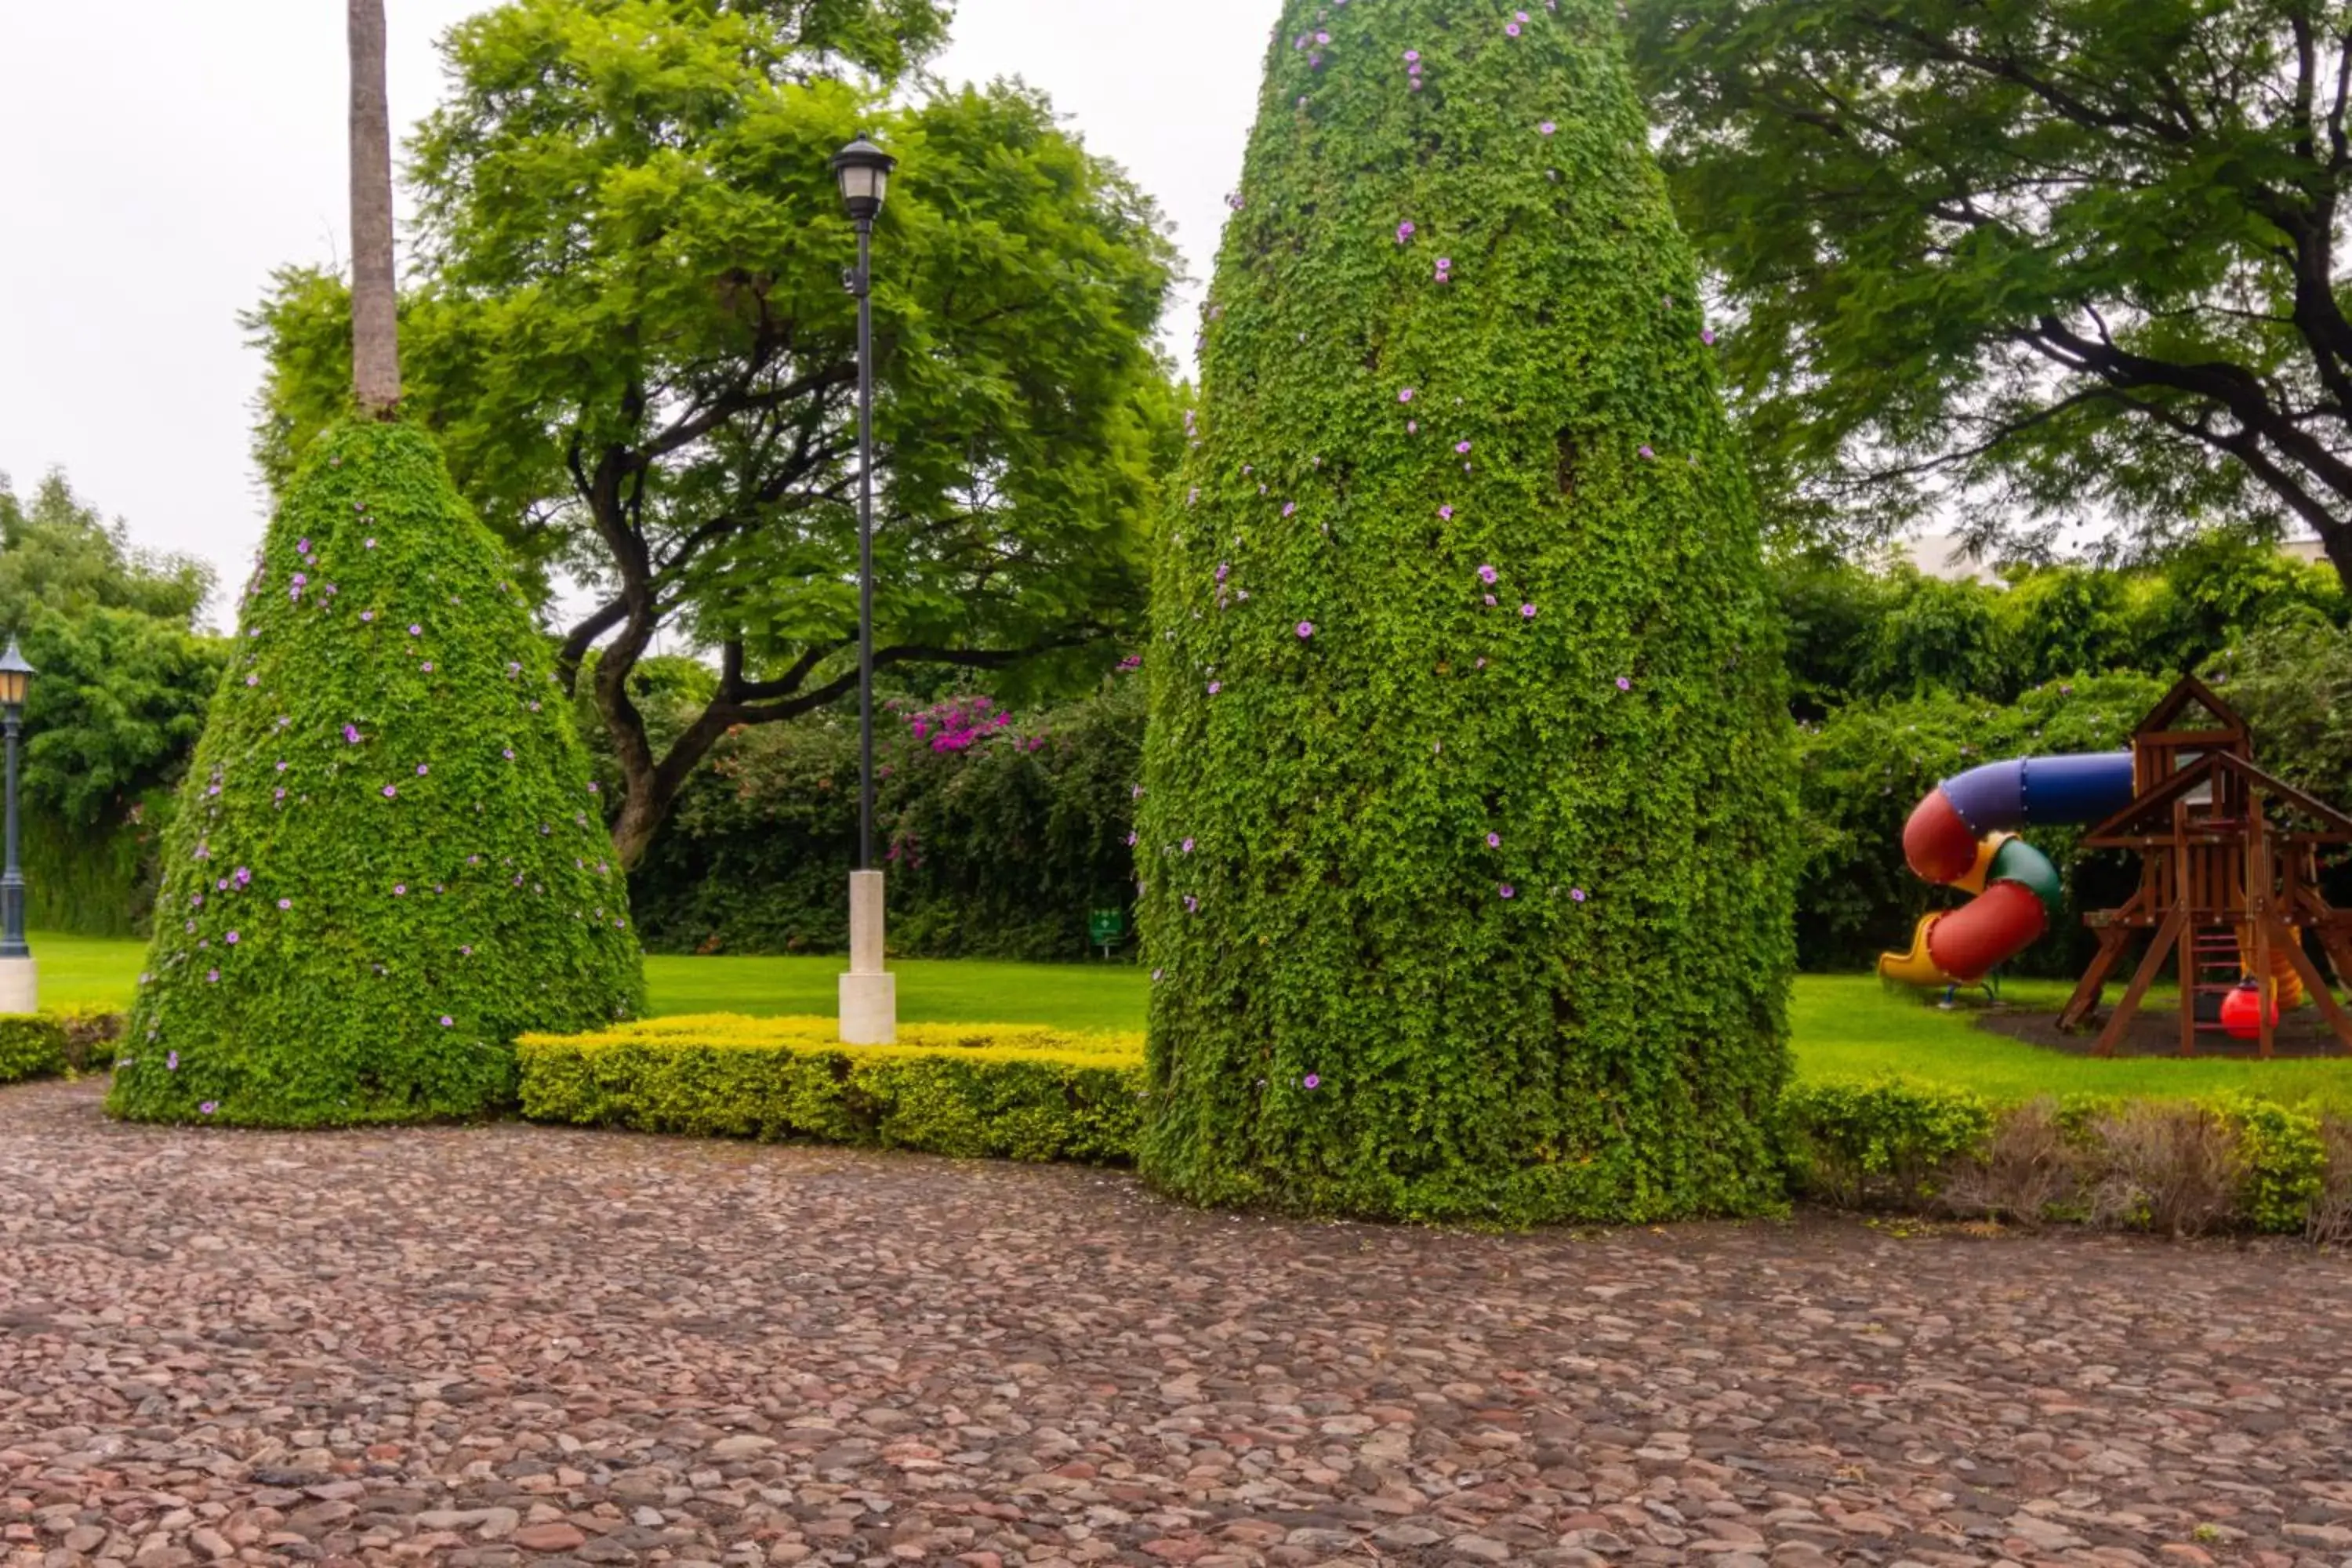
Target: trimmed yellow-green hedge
<point>965,1090</point>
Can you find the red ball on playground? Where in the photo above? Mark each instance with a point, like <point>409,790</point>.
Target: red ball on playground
<point>2241,1011</point>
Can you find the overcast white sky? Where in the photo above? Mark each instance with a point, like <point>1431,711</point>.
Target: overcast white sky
<point>159,158</point>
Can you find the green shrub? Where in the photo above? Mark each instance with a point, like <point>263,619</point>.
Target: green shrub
<point>387,860</point>
<point>66,1040</point>
<point>32,1045</point>
<point>1890,1141</point>
<point>1013,1093</point>
<point>1003,830</point>
<point>2281,1164</point>
<point>1469,898</point>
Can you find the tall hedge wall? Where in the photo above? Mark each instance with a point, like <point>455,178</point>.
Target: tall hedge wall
<point>387,860</point>
<point>1466,832</point>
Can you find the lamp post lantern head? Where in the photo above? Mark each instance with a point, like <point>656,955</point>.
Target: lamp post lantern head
<point>16,677</point>
<point>863,170</point>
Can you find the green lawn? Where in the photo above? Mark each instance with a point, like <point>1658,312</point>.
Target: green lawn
<point>1844,1024</point>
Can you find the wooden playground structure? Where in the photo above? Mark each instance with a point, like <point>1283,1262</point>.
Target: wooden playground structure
<point>2229,877</point>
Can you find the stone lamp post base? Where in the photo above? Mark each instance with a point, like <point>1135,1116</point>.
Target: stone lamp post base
<point>20,990</point>
<point>869,994</point>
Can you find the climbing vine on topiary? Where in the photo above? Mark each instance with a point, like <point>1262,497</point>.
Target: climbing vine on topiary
<point>388,858</point>
<point>1465,843</point>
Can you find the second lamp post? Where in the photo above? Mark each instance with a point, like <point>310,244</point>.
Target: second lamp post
<point>869,992</point>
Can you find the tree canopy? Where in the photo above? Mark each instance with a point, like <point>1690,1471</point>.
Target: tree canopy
<point>124,675</point>
<point>2072,258</point>
<point>628,327</point>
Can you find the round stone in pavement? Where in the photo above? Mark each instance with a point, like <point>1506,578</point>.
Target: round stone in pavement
<point>513,1346</point>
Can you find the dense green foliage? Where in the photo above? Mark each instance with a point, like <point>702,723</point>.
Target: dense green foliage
<point>628,326</point>
<point>120,700</point>
<point>32,1045</point>
<point>1000,832</point>
<point>387,860</point>
<point>1466,814</point>
<point>1856,633</point>
<point>1865,766</point>
<point>968,1090</point>
<point>2074,256</point>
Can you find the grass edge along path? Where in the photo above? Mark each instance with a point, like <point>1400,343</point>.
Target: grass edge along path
<point>1843,1025</point>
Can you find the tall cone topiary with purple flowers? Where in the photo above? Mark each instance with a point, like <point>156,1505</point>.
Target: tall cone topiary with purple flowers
<point>1466,839</point>
<point>388,858</point>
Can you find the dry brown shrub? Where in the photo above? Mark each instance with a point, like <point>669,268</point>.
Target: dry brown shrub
<point>2026,1166</point>
<point>2167,1166</point>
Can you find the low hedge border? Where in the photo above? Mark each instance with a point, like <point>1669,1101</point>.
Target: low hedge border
<point>2183,1167</point>
<point>48,1044</point>
<point>968,1090</point>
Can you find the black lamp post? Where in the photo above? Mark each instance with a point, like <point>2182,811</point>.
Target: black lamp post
<point>869,997</point>
<point>15,681</point>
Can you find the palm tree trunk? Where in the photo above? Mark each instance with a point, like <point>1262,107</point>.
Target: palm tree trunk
<point>376,343</point>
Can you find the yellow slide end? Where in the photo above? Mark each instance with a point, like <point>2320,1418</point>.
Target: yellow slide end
<point>1915,967</point>
<point>2286,985</point>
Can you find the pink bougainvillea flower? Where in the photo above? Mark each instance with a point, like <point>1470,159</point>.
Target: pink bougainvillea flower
<point>390,792</point>
<point>1707,336</point>
<point>1312,1080</point>
<point>1509,891</point>
<point>1625,683</point>
<point>1462,448</point>
<point>1446,512</point>
<point>1486,573</point>
<point>1527,612</point>
<point>1494,841</point>
<point>351,733</point>
<point>1405,231</point>
<point>1307,629</point>
<point>209,1106</point>
<point>1577,893</point>
<point>1646,453</point>
<point>1412,56</point>
<point>1405,396</point>
<point>1511,29</point>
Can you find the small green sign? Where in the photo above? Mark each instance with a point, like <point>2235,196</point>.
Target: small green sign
<point>1104,927</point>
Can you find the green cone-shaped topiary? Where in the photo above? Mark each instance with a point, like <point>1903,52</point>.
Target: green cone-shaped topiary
<point>388,858</point>
<point>1468,797</point>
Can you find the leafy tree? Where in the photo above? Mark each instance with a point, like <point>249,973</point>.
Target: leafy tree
<point>629,332</point>
<point>1467,801</point>
<point>2067,254</point>
<point>124,674</point>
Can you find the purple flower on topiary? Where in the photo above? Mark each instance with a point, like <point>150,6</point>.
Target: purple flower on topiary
<point>351,733</point>
<point>303,546</point>
<point>231,939</point>
<point>1405,231</point>
<point>1625,683</point>
<point>1215,686</point>
<point>1707,336</point>
<point>285,903</point>
<point>172,1061</point>
<point>400,889</point>
<point>1527,612</point>
<point>1546,128</point>
<point>1187,847</point>
<point>1405,396</point>
<point>1312,1080</point>
<point>1306,629</point>
<point>1646,454</point>
<point>209,1106</point>
<point>1486,573</point>
<point>1577,893</point>
<point>1510,30</point>
<point>1509,891</point>
<point>390,792</point>
<point>1494,841</point>
<point>253,680</point>
<point>212,977</point>
<point>446,1021</point>
<point>416,631</point>
<point>1446,513</point>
